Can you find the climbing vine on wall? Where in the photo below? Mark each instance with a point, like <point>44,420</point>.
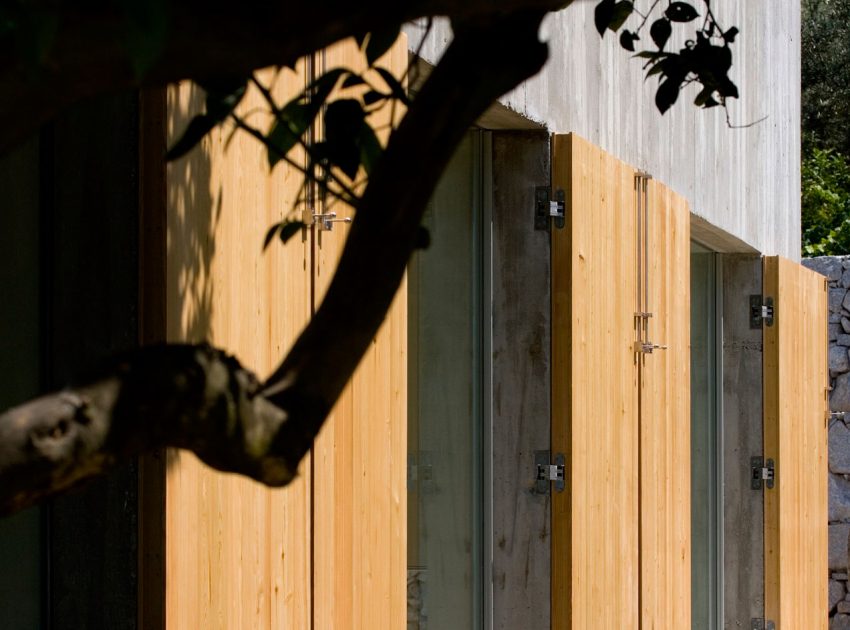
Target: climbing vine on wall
<point>704,59</point>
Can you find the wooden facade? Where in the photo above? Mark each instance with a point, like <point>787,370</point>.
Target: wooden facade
<point>330,550</point>
<point>795,437</point>
<point>621,530</point>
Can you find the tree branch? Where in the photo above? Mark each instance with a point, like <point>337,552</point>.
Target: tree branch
<point>198,398</point>
<point>90,54</point>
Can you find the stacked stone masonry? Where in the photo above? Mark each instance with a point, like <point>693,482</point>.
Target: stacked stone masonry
<point>837,270</point>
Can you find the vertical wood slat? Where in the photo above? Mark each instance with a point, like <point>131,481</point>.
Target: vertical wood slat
<point>594,391</point>
<point>360,492</point>
<point>795,436</point>
<point>236,553</point>
<point>665,470</point>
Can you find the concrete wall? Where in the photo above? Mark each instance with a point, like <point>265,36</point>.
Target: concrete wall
<point>742,182</point>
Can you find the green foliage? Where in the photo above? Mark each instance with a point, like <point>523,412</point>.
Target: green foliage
<point>826,203</point>
<point>705,60</point>
<point>825,74</point>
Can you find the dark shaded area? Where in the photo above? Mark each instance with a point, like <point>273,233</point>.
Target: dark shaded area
<point>89,185</point>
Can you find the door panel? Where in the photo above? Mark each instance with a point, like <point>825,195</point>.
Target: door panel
<point>795,436</point>
<point>594,391</point>
<point>360,466</point>
<point>237,554</point>
<point>665,510</point>
<point>621,530</point>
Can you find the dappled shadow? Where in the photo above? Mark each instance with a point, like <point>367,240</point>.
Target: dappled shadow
<point>193,214</point>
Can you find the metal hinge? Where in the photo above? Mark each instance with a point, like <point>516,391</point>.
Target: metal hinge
<point>762,624</point>
<point>762,470</point>
<point>546,472</point>
<point>761,310</point>
<point>546,208</point>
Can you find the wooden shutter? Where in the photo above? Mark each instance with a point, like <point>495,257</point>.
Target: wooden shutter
<point>795,437</point>
<point>665,412</point>
<point>621,529</point>
<point>237,554</point>
<point>594,391</point>
<point>360,456</point>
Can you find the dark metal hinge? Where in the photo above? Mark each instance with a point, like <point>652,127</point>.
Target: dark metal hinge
<point>546,208</point>
<point>762,624</point>
<point>761,310</point>
<point>546,472</point>
<point>762,470</point>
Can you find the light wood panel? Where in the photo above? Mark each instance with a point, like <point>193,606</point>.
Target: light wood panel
<point>237,553</point>
<point>360,493</point>
<point>795,436</point>
<point>594,391</point>
<point>665,470</point>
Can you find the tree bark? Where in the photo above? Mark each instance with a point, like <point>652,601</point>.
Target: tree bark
<point>199,398</point>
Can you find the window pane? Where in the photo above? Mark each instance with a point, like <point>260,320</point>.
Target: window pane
<point>704,529</point>
<point>444,393</point>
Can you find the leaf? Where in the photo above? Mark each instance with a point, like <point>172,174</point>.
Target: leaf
<point>703,97</point>
<point>198,127</point>
<point>622,11</point>
<point>380,42</point>
<point>353,80</point>
<point>270,235</point>
<point>322,86</point>
<point>730,35</point>
<point>396,88</point>
<point>344,120</point>
<point>289,229</point>
<point>373,96</point>
<point>660,32</point>
<point>627,40</point>
<point>603,14</point>
<point>370,149</point>
<point>667,94</point>
<point>224,95</point>
<point>289,126</point>
<point>681,12</point>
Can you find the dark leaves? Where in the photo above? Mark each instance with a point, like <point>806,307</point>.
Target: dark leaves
<point>611,15</point>
<point>349,137</point>
<point>681,12</point>
<point>627,40</point>
<point>396,88</point>
<point>660,32</point>
<point>222,98</point>
<point>285,230</point>
<point>379,42</point>
<point>730,35</point>
<point>667,94</point>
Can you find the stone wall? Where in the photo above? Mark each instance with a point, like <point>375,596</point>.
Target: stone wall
<point>837,270</point>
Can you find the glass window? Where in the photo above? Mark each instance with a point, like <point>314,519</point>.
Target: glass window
<point>444,431</point>
<point>704,441</point>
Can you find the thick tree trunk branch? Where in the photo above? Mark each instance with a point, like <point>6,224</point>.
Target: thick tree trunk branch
<point>198,398</point>
<point>90,53</point>
<point>193,397</point>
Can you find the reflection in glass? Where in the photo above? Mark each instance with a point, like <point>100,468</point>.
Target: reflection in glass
<point>704,473</point>
<point>444,454</point>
